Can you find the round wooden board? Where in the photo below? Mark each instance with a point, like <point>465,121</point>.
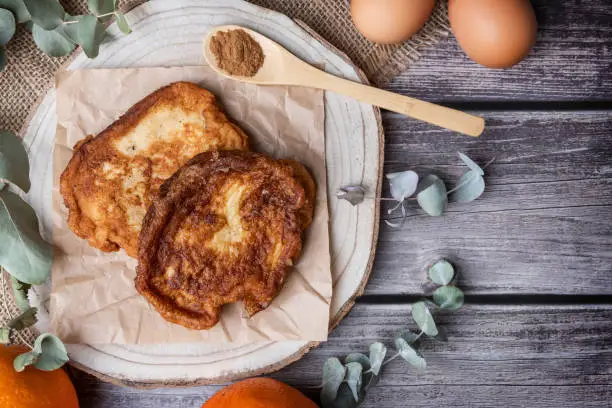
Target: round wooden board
<point>170,34</point>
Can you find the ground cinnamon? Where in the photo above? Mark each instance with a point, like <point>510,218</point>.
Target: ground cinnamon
<point>237,53</point>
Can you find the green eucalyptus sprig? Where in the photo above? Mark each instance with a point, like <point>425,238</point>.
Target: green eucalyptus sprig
<point>56,32</point>
<point>24,254</point>
<point>430,192</point>
<point>345,384</point>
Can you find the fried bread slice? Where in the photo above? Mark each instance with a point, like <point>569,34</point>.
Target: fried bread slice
<point>108,183</point>
<point>225,227</point>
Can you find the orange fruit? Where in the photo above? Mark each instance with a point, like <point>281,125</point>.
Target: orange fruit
<point>33,388</point>
<point>259,393</point>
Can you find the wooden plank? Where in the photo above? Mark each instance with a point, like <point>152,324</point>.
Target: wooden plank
<point>570,62</point>
<point>543,224</point>
<point>471,396</point>
<point>548,355</point>
<point>518,396</point>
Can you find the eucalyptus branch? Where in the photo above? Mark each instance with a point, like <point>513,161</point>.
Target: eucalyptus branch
<point>430,192</point>
<point>390,359</point>
<point>471,179</point>
<point>25,256</point>
<point>345,384</point>
<point>112,13</point>
<point>55,32</point>
<point>465,182</point>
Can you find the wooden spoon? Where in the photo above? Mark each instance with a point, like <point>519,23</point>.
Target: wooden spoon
<point>283,68</point>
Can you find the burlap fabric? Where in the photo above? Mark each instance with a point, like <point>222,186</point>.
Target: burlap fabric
<point>9,310</point>
<point>30,72</point>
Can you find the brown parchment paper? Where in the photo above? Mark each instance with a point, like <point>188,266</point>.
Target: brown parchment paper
<point>93,297</point>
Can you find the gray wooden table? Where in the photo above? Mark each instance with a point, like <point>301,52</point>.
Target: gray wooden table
<point>534,252</point>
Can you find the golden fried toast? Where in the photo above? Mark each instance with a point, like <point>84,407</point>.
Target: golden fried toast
<point>108,183</point>
<point>226,227</point>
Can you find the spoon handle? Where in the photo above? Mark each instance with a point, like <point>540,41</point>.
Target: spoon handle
<point>428,112</point>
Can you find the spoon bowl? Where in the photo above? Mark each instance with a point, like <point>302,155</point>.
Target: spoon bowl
<point>280,67</point>
<point>277,60</point>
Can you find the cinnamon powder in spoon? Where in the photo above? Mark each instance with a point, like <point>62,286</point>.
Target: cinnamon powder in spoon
<point>237,53</point>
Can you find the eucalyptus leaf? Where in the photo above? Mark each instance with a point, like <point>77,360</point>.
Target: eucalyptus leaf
<point>23,360</point>
<point>48,354</point>
<point>344,399</point>
<point>442,335</point>
<point>99,7</point>
<point>352,194</point>
<point>471,186</point>
<point>122,23</point>
<point>5,335</point>
<point>353,378</point>
<point>442,272</point>
<point>88,32</point>
<point>18,8</point>
<point>411,338</point>
<point>20,293</point>
<point>471,164</point>
<point>409,354</point>
<point>26,319</point>
<point>333,375</point>
<point>378,351</point>
<point>69,18</point>
<point>48,14</point>
<point>432,196</point>
<point>23,253</point>
<point>423,318</point>
<point>369,379</point>
<point>52,352</point>
<point>2,59</point>
<point>358,358</point>
<point>52,43</point>
<point>448,297</point>
<point>7,26</point>
<point>403,184</point>
<point>14,166</point>
<point>431,305</point>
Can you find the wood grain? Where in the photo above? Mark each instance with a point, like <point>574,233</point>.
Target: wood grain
<point>570,62</point>
<point>542,354</point>
<point>95,395</point>
<point>543,224</point>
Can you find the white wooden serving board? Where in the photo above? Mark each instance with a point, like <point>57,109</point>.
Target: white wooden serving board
<point>170,33</point>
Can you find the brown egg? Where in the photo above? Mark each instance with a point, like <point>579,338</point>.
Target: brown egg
<point>494,33</point>
<point>390,21</point>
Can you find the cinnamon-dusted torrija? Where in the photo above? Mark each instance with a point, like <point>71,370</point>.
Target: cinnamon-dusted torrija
<point>226,227</point>
<point>108,183</point>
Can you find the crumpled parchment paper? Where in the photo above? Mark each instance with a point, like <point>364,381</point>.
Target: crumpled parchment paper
<point>93,297</point>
